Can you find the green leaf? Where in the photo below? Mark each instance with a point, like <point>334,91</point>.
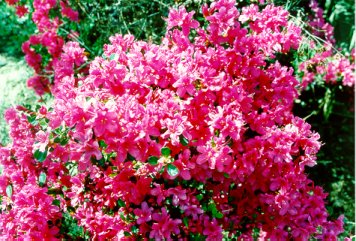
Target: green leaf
<point>9,191</point>
<point>58,131</point>
<point>226,175</point>
<point>184,141</point>
<point>44,123</point>
<point>196,237</point>
<point>42,179</point>
<point>122,216</point>
<point>215,212</point>
<point>101,162</point>
<point>32,120</point>
<point>328,104</point>
<point>130,157</point>
<point>172,170</point>
<point>121,203</point>
<point>64,141</point>
<point>134,229</point>
<point>212,207</point>
<point>37,107</point>
<point>218,215</point>
<point>56,202</point>
<point>102,144</point>
<point>40,156</point>
<point>70,226</point>
<point>185,221</point>
<point>166,151</point>
<point>199,197</point>
<point>153,160</point>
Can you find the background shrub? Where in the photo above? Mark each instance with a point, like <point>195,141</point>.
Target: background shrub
<point>13,30</point>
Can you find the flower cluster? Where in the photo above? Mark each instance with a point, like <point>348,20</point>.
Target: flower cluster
<point>318,24</point>
<point>43,49</point>
<point>331,67</point>
<point>191,139</point>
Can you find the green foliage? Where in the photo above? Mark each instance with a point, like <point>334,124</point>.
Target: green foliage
<point>71,230</point>
<point>101,19</point>
<point>335,170</point>
<point>340,13</point>
<point>13,30</point>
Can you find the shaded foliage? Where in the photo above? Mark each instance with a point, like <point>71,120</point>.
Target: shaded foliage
<point>13,30</point>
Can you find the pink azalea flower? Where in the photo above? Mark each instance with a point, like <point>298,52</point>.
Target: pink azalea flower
<point>144,213</point>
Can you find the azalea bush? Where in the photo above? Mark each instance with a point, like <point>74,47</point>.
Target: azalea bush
<point>57,22</point>
<point>327,103</point>
<point>194,138</point>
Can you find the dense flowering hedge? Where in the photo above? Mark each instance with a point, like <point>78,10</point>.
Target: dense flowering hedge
<point>191,139</point>
<point>42,50</point>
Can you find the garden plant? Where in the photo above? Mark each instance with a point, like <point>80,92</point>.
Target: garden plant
<point>197,132</point>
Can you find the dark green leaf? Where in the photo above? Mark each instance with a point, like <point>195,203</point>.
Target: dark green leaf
<point>32,120</point>
<point>212,207</point>
<point>64,141</point>
<point>102,144</point>
<point>185,221</point>
<point>200,197</point>
<point>130,157</point>
<point>166,151</point>
<point>40,156</point>
<point>153,160</point>
<point>56,202</point>
<point>121,203</point>
<point>134,229</point>
<point>218,215</point>
<point>184,141</point>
